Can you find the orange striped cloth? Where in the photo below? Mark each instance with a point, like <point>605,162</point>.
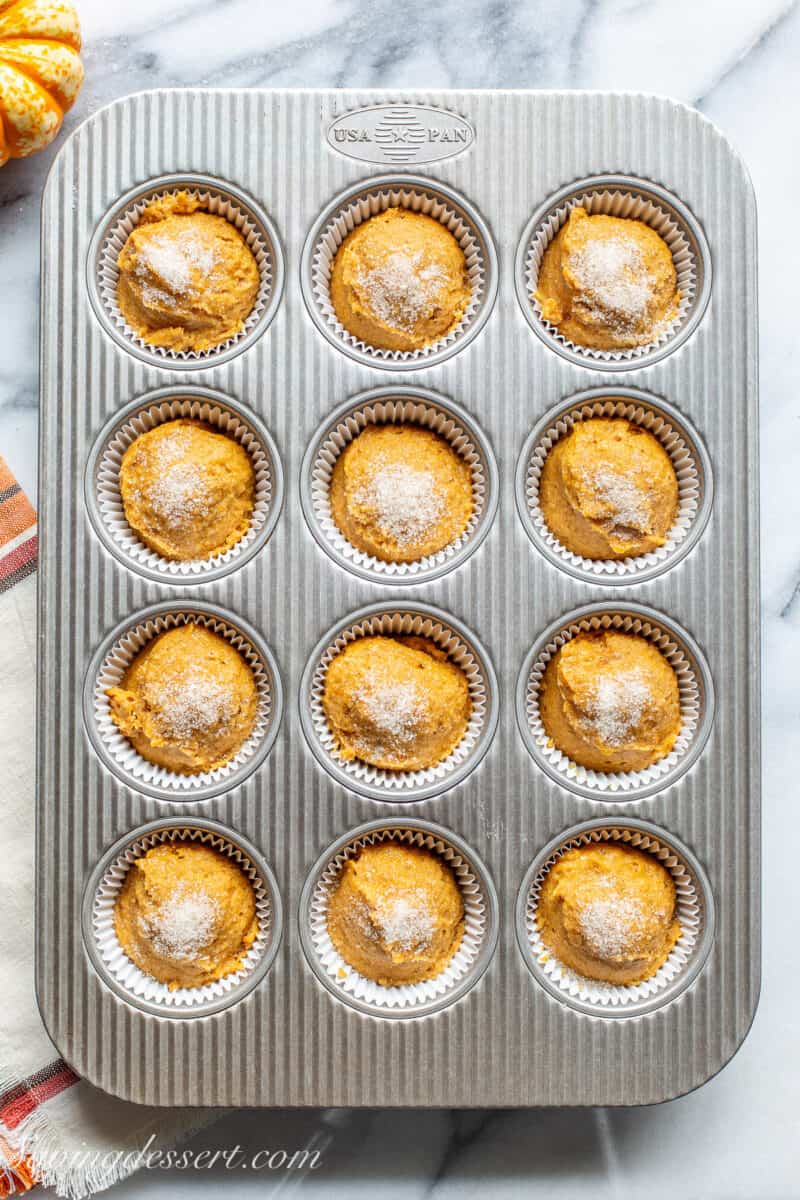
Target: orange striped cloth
<point>16,1174</point>
<point>18,549</point>
<point>54,1127</point>
<point>18,541</point>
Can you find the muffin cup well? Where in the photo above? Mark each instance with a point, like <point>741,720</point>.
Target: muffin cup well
<point>687,454</point>
<point>398,406</point>
<point>104,500</point>
<point>133,984</point>
<point>367,200</point>
<point>694,907</point>
<point>112,660</point>
<point>412,999</point>
<point>626,197</point>
<point>219,199</point>
<point>696,694</point>
<point>461,647</point>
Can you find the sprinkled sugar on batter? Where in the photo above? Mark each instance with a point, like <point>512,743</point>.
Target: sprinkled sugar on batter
<point>613,280</point>
<point>406,502</point>
<point>178,493</point>
<point>394,708</point>
<point>184,925</point>
<point>401,291</point>
<point>631,503</point>
<point>193,702</point>
<point>400,919</point>
<point>608,924</point>
<point>617,705</point>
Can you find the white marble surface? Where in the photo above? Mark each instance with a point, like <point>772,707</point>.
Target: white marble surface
<point>735,1139</point>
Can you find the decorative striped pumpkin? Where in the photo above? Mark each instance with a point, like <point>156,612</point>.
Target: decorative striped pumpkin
<point>40,72</point>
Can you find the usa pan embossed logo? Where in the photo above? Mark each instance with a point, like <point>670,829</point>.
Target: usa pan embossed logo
<point>400,133</point>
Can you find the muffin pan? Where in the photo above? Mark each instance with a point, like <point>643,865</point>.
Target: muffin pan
<point>506,1026</point>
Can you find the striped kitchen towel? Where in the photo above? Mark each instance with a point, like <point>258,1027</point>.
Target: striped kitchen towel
<point>18,541</point>
<point>54,1128</point>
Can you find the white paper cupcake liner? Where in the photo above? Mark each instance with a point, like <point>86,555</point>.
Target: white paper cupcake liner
<point>410,998</point>
<point>690,470</point>
<point>597,995</point>
<point>135,770</point>
<point>379,782</point>
<point>108,499</point>
<point>130,978</point>
<point>631,203</point>
<point>694,697</point>
<point>395,410</point>
<point>465,227</point>
<point>217,201</point>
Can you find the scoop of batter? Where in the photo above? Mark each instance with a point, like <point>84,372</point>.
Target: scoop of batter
<point>607,282</point>
<point>608,490</point>
<point>399,281</point>
<point>608,912</point>
<point>187,491</point>
<point>186,914</point>
<point>187,702</point>
<point>187,279</point>
<point>397,915</point>
<point>610,701</point>
<point>397,703</point>
<point>400,493</point>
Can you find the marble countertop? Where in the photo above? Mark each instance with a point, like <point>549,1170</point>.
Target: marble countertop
<point>736,60</point>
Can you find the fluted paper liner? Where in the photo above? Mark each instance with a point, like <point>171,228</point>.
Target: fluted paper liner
<point>364,993</point>
<point>415,412</point>
<point>688,910</point>
<point>403,784</point>
<point>218,203</point>
<point>353,213</point>
<point>609,782</point>
<point>125,972</point>
<point>683,457</point>
<point>627,203</point>
<point>109,499</point>
<point>132,767</point>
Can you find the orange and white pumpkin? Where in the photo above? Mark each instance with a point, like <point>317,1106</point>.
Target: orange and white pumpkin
<point>40,72</point>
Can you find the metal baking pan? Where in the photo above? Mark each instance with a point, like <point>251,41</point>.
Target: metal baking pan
<point>288,163</point>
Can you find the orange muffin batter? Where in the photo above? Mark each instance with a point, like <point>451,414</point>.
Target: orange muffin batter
<point>400,493</point>
<point>608,490</point>
<point>610,701</point>
<point>187,278</point>
<point>397,703</point>
<point>188,700</point>
<point>400,281</point>
<point>608,912</point>
<point>186,914</point>
<point>608,283</point>
<point>397,915</point>
<point>187,491</point>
